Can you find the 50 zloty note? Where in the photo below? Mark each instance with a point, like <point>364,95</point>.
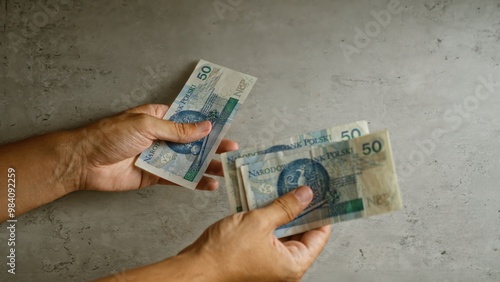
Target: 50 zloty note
<point>213,93</point>
<point>350,179</point>
<point>236,194</point>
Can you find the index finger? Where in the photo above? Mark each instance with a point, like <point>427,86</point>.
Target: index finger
<point>310,245</point>
<point>227,145</point>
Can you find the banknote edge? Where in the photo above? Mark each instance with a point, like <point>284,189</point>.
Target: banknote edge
<point>229,187</point>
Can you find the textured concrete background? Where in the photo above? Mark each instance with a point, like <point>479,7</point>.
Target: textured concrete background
<point>425,74</point>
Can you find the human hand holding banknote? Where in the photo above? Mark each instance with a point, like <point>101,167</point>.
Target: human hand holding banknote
<point>242,247</point>
<point>248,237</point>
<point>112,145</point>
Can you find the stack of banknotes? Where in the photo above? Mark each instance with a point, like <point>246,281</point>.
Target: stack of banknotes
<point>350,171</point>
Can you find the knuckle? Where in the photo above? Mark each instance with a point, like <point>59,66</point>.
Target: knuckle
<point>237,217</point>
<point>147,108</point>
<point>181,129</point>
<point>143,119</point>
<point>143,123</point>
<point>295,276</point>
<point>286,207</point>
<point>229,223</point>
<point>105,124</point>
<point>294,272</point>
<point>152,109</point>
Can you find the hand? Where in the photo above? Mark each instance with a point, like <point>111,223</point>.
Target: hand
<point>242,247</point>
<point>110,148</point>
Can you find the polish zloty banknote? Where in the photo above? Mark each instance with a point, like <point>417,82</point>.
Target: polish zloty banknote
<point>247,160</point>
<point>213,93</point>
<point>236,195</point>
<point>350,179</point>
<point>336,134</point>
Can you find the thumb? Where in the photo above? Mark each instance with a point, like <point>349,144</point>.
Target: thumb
<point>180,132</point>
<point>287,207</point>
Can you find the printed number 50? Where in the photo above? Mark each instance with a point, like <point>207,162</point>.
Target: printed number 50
<point>204,71</point>
<point>354,133</point>
<point>375,147</point>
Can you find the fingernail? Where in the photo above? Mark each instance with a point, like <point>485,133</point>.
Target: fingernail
<point>304,194</point>
<point>203,126</point>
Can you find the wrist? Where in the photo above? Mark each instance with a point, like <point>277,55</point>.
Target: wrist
<point>71,160</point>
<point>193,266</point>
<point>183,267</point>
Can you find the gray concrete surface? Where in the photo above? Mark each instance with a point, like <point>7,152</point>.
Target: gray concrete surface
<point>421,74</point>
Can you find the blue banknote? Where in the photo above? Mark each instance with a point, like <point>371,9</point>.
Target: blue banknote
<point>212,93</point>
